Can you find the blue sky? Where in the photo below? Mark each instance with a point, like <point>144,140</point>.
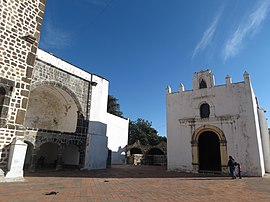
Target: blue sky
<point>141,46</point>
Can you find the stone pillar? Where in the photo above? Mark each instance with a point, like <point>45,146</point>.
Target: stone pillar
<point>16,159</point>
<point>223,156</point>
<point>59,163</point>
<point>195,156</point>
<point>32,167</point>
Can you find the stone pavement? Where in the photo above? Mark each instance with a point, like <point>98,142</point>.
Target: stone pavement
<point>133,183</point>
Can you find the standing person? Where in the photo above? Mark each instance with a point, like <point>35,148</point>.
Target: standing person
<point>239,169</point>
<point>232,167</point>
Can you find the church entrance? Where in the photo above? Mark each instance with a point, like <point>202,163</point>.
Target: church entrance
<point>209,152</point>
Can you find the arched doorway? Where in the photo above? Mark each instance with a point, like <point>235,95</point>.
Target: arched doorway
<point>135,151</point>
<point>209,149</point>
<point>71,156</point>
<point>136,156</point>
<point>209,152</point>
<point>47,155</point>
<point>155,157</point>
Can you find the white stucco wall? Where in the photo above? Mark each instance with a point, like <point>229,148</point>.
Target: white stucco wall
<point>233,109</point>
<point>96,149</point>
<point>117,132</point>
<point>105,130</point>
<point>265,139</point>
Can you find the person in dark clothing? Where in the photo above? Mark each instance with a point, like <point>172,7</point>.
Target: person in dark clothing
<point>239,170</point>
<point>231,166</point>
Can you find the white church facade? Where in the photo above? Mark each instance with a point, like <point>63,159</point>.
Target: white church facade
<point>207,124</point>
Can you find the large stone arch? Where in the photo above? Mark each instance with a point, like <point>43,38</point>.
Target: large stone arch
<point>222,145</point>
<point>52,106</point>
<point>58,85</point>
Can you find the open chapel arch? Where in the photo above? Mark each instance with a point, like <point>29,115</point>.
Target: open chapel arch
<point>209,149</point>
<point>51,108</point>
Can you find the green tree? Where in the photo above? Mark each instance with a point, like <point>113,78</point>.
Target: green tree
<point>113,107</point>
<point>143,131</point>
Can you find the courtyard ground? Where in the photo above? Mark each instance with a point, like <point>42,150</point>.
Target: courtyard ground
<point>133,183</point>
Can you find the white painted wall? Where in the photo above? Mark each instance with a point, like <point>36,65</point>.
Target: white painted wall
<point>265,139</point>
<point>117,132</point>
<point>96,149</point>
<point>233,109</point>
<point>104,128</point>
<point>119,157</point>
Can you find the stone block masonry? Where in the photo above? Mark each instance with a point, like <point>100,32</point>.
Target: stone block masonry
<point>20,24</point>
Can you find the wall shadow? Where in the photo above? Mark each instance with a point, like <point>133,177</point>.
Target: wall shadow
<point>125,171</point>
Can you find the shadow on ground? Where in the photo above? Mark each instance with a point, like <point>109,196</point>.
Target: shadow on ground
<point>122,171</point>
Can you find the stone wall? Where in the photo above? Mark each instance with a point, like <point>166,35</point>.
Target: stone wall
<point>46,74</point>
<point>19,34</point>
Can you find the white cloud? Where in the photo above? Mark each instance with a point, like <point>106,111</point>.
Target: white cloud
<point>249,27</point>
<point>54,37</point>
<point>207,37</point>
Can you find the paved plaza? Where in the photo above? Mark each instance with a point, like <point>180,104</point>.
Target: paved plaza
<point>133,183</point>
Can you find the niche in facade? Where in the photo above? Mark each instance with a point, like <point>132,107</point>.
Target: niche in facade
<point>2,98</point>
<point>51,108</point>
<point>204,110</point>
<point>202,84</point>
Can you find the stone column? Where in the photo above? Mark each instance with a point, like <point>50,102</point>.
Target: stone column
<point>16,159</point>
<point>223,156</point>
<point>195,156</point>
<point>59,164</point>
<point>32,167</point>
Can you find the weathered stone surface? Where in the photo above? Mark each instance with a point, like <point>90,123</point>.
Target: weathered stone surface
<point>20,116</point>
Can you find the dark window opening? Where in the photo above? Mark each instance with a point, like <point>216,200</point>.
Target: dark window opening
<point>205,110</point>
<point>2,98</point>
<point>203,84</point>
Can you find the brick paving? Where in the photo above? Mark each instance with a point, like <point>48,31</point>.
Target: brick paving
<point>133,183</point>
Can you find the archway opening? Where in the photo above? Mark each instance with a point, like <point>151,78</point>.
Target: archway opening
<point>47,155</point>
<point>209,152</point>
<point>135,151</point>
<point>71,156</point>
<point>136,156</point>
<point>155,156</point>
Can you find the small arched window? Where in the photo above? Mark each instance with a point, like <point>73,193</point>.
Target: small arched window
<point>205,110</point>
<point>202,84</point>
<point>2,98</point>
